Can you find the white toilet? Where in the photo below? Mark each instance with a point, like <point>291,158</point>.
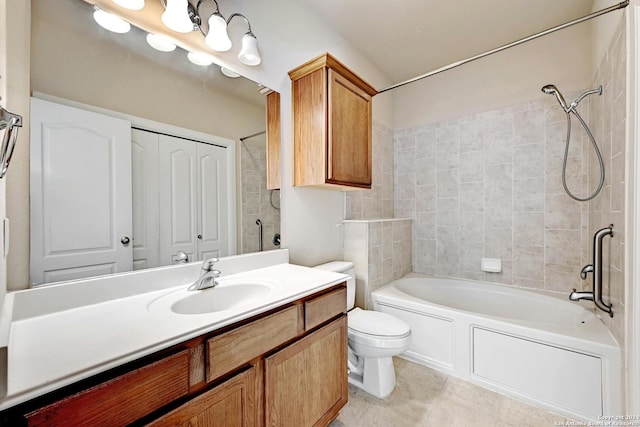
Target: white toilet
<point>374,337</point>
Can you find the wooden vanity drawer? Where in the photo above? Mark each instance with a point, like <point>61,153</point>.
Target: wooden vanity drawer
<point>232,349</point>
<point>320,309</point>
<point>121,400</point>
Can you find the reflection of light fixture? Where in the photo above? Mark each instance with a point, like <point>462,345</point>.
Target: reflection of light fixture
<point>160,42</point>
<point>110,22</point>
<point>130,4</point>
<point>176,16</point>
<point>181,16</point>
<point>200,58</point>
<point>227,72</point>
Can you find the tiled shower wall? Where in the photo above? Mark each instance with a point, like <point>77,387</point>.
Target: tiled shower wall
<point>256,199</point>
<point>381,253</point>
<point>608,114</point>
<point>489,185</point>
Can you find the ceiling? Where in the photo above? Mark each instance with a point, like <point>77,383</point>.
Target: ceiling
<point>406,38</point>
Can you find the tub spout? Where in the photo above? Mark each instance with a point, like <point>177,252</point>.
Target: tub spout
<point>575,295</point>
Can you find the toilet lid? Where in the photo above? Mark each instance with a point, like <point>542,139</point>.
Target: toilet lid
<point>376,323</point>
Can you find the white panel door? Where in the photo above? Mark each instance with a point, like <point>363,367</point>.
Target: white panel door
<point>145,189</point>
<point>212,190</point>
<point>80,193</point>
<point>178,204</point>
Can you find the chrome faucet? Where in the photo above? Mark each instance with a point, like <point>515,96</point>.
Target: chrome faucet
<point>596,269</point>
<point>208,276</point>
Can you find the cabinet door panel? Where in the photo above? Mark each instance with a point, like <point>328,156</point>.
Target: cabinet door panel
<point>306,383</point>
<point>231,404</point>
<point>349,145</point>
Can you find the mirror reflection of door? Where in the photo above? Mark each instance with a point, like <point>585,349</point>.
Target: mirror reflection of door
<point>167,203</point>
<point>80,193</point>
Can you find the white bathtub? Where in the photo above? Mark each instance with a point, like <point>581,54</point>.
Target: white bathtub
<point>545,350</point>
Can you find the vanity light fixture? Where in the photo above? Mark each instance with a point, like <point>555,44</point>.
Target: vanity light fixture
<point>182,16</point>
<point>217,38</point>
<point>200,58</point>
<point>110,22</point>
<point>178,15</point>
<point>130,4</point>
<point>249,53</point>
<point>160,42</point>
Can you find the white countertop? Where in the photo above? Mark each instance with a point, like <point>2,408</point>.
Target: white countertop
<point>70,343</point>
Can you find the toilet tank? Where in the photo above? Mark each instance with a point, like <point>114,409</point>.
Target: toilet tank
<point>347,268</point>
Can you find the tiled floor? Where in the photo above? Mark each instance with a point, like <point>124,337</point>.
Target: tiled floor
<point>424,397</point>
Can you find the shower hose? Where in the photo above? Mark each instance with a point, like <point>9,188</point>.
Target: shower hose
<point>566,155</point>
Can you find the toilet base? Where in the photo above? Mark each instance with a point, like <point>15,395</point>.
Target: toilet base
<point>378,376</point>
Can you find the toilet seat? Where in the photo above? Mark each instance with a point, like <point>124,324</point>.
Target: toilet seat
<point>376,324</point>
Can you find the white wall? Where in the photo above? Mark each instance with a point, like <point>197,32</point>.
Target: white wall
<point>511,77</point>
<point>14,96</point>
<point>3,97</point>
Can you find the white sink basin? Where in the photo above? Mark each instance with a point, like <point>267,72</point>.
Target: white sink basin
<point>221,298</point>
<point>228,295</point>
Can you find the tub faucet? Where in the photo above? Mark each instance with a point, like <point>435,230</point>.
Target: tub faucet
<point>575,295</point>
<point>596,269</point>
<point>208,276</point>
<point>586,269</point>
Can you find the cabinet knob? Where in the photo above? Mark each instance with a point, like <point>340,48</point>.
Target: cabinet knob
<point>125,240</point>
<point>200,236</point>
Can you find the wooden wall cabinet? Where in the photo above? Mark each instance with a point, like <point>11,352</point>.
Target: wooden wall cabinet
<point>287,367</point>
<point>332,126</point>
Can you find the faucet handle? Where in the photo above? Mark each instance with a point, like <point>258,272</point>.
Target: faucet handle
<point>585,270</point>
<point>216,275</point>
<point>208,264</point>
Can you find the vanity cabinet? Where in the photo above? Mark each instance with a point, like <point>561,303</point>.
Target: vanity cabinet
<point>232,403</point>
<point>308,379</point>
<point>284,367</point>
<point>332,126</point>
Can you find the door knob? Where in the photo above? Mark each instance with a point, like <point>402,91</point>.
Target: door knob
<point>125,240</point>
<point>200,236</point>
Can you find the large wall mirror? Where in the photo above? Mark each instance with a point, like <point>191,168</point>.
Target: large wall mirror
<point>197,109</point>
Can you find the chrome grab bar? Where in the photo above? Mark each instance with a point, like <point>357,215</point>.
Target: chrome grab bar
<point>596,269</point>
<point>10,122</point>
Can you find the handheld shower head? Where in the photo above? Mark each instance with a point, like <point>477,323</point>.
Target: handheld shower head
<point>552,90</point>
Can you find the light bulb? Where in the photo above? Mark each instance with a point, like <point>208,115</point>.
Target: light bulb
<point>176,16</point>
<point>249,54</point>
<point>160,42</point>
<point>199,58</point>
<point>217,37</point>
<point>111,22</point>
<point>130,4</point>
